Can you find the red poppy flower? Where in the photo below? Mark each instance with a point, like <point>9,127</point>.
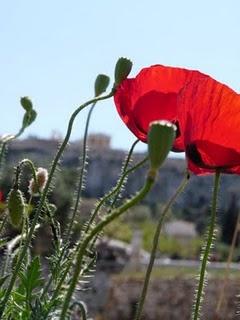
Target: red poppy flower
<point>153,95</point>
<point>206,112</point>
<point>210,123</point>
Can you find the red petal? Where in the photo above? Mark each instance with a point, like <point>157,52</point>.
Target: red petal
<point>152,95</point>
<point>1,196</point>
<point>210,120</point>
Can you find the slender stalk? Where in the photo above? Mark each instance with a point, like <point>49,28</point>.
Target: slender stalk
<point>2,151</point>
<point>3,147</point>
<point>98,228</point>
<point>126,163</point>
<point>103,200</point>
<point>82,309</point>
<point>81,178</point>
<point>43,198</point>
<point>210,236</point>
<point>5,142</point>
<point>54,228</point>
<point>30,164</point>
<point>227,269</point>
<point>78,196</point>
<point>2,225</point>
<point>155,246</point>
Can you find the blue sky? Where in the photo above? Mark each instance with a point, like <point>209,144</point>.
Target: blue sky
<point>53,50</point>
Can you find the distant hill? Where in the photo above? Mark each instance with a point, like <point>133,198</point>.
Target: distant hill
<point>104,165</point>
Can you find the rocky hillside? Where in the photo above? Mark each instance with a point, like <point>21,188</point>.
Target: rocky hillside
<point>104,165</point>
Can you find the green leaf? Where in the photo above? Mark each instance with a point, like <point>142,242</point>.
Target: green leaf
<point>31,279</point>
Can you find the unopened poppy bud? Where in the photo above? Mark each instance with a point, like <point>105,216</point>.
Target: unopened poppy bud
<point>26,103</point>
<point>122,69</point>
<point>16,207</point>
<point>161,136</point>
<point>33,188</point>
<point>30,114</point>
<point>42,177</point>
<point>101,84</point>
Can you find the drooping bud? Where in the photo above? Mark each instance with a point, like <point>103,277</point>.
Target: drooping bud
<point>30,114</point>
<point>101,84</point>
<point>16,207</point>
<point>52,208</point>
<point>42,177</point>
<point>26,103</point>
<point>122,69</point>
<point>161,136</point>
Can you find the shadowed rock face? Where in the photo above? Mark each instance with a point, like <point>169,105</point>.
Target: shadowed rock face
<point>167,299</point>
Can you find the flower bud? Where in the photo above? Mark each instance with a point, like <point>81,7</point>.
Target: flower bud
<point>16,206</point>
<point>42,177</point>
<point>30,114</point>
<point>26,103</point>
<point>161,136</point>
<point>101,84</point>
<point>122,69</point>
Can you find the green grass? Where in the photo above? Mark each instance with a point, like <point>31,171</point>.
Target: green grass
<point>169,272</point>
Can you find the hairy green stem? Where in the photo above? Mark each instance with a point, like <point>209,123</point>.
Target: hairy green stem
<point>44,196</point>
<point>2,151</point>
<point>155,246</point>
<point>220,300</point>
<point>78,196</point>
<point>53,226</point>
<point>58,289</point>
<point>81,178</point>
<point>5,143</point>
<point>2,225</point>
<point>126,163</point>
<point>199,296</point>
<point>103,200</point>
<point>98,228</point>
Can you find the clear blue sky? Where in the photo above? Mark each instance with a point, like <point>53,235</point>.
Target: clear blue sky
<point>52,51</point>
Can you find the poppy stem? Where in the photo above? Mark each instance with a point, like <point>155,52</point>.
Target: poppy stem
<point>155,245</point>
<point>221,301</point>
<point>44,197</point>
<point>96,230</point>
<point>81,178</point>
<point>103,200</point>
<point>207,248</point>
<point>124,169</point>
